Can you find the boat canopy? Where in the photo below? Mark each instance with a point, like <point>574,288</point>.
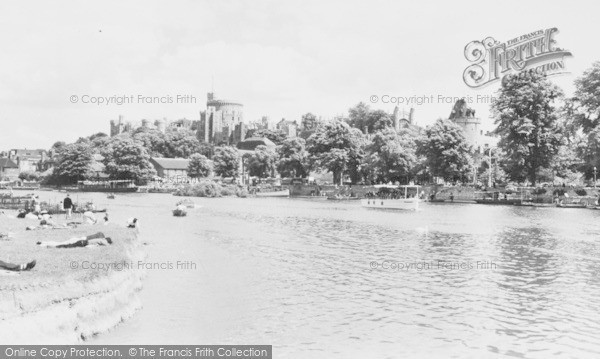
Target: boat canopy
<point>396,186</point>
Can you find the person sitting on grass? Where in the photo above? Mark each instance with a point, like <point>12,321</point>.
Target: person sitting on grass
<point>89,217</point>
<point>17,267</point>
<point>133,223</point>
<point>97,239</point>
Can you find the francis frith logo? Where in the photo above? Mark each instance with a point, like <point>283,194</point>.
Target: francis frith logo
<point>491,60</point>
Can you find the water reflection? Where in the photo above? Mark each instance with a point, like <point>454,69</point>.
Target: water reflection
<point>298,274</point>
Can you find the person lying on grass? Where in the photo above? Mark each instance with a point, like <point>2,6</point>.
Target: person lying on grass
<point>97,239</point>
<point>17,267</point>
<point>5,236</point>
<point>48,224</point>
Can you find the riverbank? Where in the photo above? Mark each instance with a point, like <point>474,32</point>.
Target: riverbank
<point>71,294</point>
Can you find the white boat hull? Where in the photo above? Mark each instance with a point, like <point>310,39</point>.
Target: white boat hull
<point>285,193</point>
<point>406,203</point>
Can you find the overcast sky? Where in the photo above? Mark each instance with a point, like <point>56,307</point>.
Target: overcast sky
<point>278,58</point>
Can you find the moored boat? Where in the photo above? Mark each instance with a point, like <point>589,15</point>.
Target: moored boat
<point>342,198</point>
<point>282,193</point>
<point>405,197</point>
<point>14,202</point>
<point>107,186</point>
<point>187,203</point>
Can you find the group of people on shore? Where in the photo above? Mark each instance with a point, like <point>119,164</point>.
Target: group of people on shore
<point>46,222</point>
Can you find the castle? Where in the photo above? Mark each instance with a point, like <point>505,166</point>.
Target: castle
<point>120,126</point>
<point>222,122</point>
<point>464,117</point>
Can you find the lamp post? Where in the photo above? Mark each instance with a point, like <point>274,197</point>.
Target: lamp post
<point>490,169</point>
<point>594,176</point>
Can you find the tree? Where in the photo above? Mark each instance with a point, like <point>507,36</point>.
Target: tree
<point>391,157</point>
<point>199,166</point>
<point>308,124</point>
<point>207,149</point>
<point>57,146</point>
<point>262,162</point>
<point>73,163</point>
<point>527,123</point>
<point>587,99</point>
<point>446,151</point>
<point>368,121</point>
<point>358,116</point>
<point>336,148</point>
<point>226,161</point>
<point>152,139</point>
<point>379,120</point>
<point>29,176</point>
<point>125,159</point>
<point>584,113</point>
<point>180,144</point>
<point>293,158</point>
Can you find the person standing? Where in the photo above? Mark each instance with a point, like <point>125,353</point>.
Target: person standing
<point>68,205</point>
<point>35,201</point>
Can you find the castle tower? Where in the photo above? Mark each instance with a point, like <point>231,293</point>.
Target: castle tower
<point>396,119</point>
<point>161,125</point>
<point>464,117</point>
<point>116,128</point>
<point>219,120</point>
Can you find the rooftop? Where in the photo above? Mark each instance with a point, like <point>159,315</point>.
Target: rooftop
<point>7,163</point>
<point>251,143</point>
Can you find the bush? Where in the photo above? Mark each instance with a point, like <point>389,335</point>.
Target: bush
<point>539,190</point>
<point>559,192</point>
<point>581,192</point>
<point>29,176</point>
<point>241,192</point>
<point>208,188</point>
<point>201,189</point>
<point>227,191</point>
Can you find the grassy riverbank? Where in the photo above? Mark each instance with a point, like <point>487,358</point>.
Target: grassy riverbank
<point>58,264</point>
<point>71,294</point>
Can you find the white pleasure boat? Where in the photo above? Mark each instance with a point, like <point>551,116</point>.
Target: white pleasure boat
<point>395,197</point>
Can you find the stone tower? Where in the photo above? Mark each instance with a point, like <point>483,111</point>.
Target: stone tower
<point>402,118</point>
<point>117,127</point>
<point>464,117</point>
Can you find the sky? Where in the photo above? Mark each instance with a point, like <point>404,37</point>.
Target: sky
<point>280,59</point>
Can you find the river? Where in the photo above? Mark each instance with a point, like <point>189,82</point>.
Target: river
<point>326,279</point>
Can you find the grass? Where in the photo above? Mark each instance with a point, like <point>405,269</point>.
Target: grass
<point>55,265</point>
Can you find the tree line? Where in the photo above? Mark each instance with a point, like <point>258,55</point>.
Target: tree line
<point>543,135</point>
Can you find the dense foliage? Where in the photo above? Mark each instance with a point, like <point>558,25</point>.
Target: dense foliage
<point>226,161</point>
<point>527,123</point>
<point>542,138</point>
<point>446,151</point>
<point>199,166</point>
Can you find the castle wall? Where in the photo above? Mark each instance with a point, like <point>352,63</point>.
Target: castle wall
<point>471,129</point>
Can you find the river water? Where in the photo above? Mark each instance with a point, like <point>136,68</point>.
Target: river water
<point>326,279</point>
